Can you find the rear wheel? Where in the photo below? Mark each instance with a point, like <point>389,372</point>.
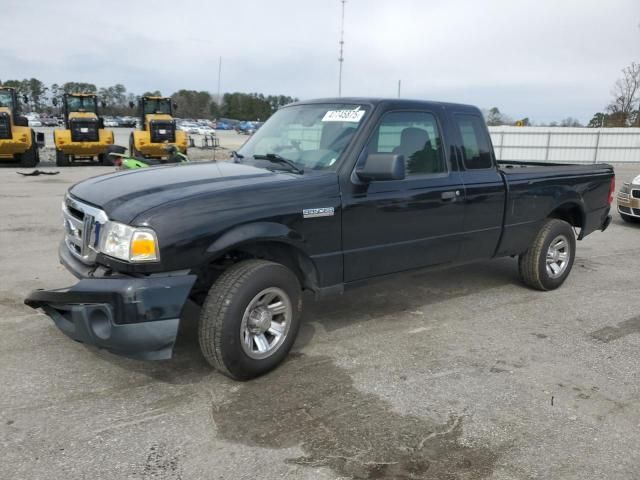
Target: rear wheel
<point>62,160</point>
<point>250,318</point>
<point>629,218</point>
<point>548,261</point>
<point>30,158</point>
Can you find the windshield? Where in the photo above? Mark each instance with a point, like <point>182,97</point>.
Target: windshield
<point>6,99</point>
<point>311,136</point>
<point>81,104</point>
<point>152,106</point>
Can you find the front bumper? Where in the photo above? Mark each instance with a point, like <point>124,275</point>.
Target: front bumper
<point>136,317</point>
<point>628,204</point>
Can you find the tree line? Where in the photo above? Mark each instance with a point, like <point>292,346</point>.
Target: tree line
<point>117,100</point>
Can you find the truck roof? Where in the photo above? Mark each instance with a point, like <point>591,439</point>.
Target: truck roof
<point>396,102</point>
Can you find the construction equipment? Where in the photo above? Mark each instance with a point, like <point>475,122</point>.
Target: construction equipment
<point>18,142</point>
<point>84,135</point>
<point>158,129</point>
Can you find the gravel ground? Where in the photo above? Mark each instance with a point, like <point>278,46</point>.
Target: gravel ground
<point>458,374</point>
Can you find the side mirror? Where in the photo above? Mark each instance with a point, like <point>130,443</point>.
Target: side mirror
<point>382,166</point>
<point>55,102</point>
<point>175,106</point>
<point>103,104</point>
<point>132,104</point>
<point>25,99</point>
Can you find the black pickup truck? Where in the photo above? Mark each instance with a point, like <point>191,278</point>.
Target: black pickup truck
<point>327,195</point>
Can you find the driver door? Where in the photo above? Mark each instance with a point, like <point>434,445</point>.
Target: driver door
<point>395,225</point>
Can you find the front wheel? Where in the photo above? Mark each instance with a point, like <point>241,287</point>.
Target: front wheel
<point>250,318</point>
<point>30,158</point>
<point>62,160</point>
<point>548,261</point>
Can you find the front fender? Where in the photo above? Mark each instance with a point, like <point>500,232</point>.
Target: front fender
<point>254,233</point>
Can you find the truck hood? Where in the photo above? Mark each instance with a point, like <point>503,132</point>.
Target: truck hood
<point>125,195</point>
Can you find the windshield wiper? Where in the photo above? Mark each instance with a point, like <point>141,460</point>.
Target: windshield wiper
<point>275,158</point>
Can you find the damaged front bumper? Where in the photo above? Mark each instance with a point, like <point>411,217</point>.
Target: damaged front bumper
<point>136,317</point>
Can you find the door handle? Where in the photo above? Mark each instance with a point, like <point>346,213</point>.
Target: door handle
<point>450,195</point>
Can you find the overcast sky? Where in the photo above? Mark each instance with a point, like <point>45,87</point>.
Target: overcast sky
<point>546,59</point>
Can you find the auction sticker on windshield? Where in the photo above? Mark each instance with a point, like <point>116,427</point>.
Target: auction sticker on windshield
<point>354,115</point>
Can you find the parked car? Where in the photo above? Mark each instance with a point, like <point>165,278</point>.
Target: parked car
<point>223,126</point>
<point>205,130</point>
<point>49,121</point>
<point>191,128</point>
<point>33,120</point>
<point>111,122</point>
<point>246,128</point>
<point>126,122</point>
<point>629,201</point>
<point>360,189</point>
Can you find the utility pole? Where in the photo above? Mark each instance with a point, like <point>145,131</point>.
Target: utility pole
<point>399,85</point>
<point>219,76</point>
<point>341,58</point>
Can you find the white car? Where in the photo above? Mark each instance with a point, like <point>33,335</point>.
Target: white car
<point>206,130</point>
<point>189,128</point>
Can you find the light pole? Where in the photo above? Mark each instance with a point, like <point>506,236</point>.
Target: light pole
<point>341,58</point>
<point>219,76</point>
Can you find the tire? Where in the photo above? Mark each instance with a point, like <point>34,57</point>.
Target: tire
<point>629,218</point>
<point>105,159</point>
<point>61,159</point>
<point>133,152</point>
<point>224,321</point>
<point>30,158</point>
<point>533,265</point>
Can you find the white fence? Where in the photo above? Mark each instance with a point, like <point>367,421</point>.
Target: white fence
<point>572,145</point>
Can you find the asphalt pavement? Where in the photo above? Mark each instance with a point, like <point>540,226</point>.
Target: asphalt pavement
<point>456,374</point>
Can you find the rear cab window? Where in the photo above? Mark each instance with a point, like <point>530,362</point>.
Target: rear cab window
<point>476,146</point>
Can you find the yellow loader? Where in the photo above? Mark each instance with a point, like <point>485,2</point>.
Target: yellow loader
<point>84,136</point>
<point>158,129</point>
<point>18,142</point>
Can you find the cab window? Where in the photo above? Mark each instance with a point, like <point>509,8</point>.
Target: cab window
<point>476,149</point>
<point>416,136</point>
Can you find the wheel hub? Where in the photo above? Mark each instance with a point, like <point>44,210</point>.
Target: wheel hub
<point>259,320</point>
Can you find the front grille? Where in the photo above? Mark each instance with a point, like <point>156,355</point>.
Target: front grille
<point>635,193</point>
<point>82,225</point>
<point>625,209</point>
<point>5,126</point>
<point>636,211</point>
<point>84,130</point>
<point>163,131</point>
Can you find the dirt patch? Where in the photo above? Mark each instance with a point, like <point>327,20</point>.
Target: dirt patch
<point>162,464</point>
<point>311,403</point>
<point>608,334</point>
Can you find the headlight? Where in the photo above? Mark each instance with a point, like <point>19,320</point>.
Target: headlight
<point>132,244</point>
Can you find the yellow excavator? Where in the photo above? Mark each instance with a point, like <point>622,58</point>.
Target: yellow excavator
<point>157,129</point>
<point>18,142</point>
<point>84,136</point>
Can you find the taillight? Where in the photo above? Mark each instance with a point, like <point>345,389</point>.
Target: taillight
<point>612,189</point>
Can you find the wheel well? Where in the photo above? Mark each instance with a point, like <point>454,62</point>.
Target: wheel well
<point>570,213</point>
<point>291,257</point>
